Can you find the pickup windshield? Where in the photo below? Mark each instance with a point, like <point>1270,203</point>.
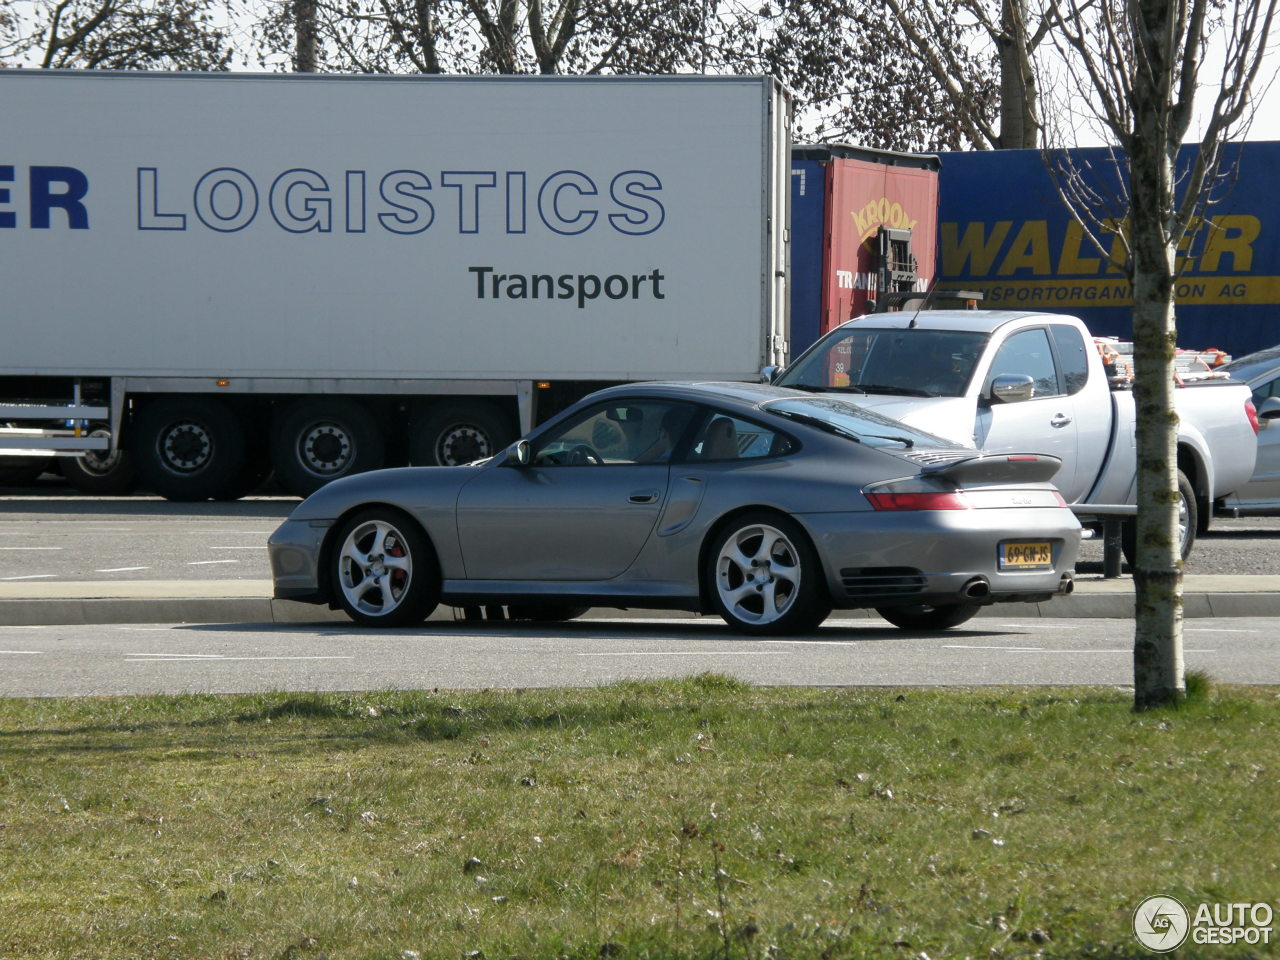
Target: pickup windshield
<point>845,418</point>
<point>911,362</point>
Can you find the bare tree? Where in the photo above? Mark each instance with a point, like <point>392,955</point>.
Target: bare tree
<point>117,34</point>
<point>945,39</point>
<point>1139,65</point>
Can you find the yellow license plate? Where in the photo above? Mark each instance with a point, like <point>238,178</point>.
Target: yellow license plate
<point>1037,555</point>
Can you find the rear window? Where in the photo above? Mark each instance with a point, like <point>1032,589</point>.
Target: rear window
<point>858,424</point>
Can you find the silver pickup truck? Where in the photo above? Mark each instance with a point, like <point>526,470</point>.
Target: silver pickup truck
<point>1005,381</point>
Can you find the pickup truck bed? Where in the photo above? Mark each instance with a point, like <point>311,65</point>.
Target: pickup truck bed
<point>1007,381</point>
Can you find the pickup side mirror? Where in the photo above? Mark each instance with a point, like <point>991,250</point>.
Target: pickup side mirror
<point>1269,409</point>
<point>519,454</point>
<point>1012,388</point>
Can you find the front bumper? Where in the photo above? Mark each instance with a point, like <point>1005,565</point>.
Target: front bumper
<point>296,551</point>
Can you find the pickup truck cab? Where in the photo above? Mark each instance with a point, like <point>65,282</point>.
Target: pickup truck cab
<point>1008,381</point>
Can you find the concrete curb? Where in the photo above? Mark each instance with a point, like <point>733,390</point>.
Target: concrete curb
<point>245,602</point>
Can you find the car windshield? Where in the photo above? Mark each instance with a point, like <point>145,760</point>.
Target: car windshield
<point>911,362</point>
<point>846,419</point>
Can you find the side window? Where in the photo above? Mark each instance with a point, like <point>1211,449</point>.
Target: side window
<point>618,432</point>
<point>1072,356</point>
<point>1265,390</point>
<point>1028,354</point>
<point>722,437</point>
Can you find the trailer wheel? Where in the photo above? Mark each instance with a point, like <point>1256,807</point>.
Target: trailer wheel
<point>315,441</point>
<point>187,449</point>
<point>100,471</point>
<point>458,432</point>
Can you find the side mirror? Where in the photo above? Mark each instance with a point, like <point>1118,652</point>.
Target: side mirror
<point>1269,409</point>
<point>1012,388</point>
<point>771,373</point>
<point>519,454</point>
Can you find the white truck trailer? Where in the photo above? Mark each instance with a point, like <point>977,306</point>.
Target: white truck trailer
<point>225,274</point>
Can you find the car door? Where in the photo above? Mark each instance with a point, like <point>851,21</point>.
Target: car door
<point>582,509</point>
<point>1265,483</point>
<point>1046,423</point>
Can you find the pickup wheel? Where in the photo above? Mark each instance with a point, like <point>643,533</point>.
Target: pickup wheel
<point>315,441</point>
<point>188,449</point>
<point>1188,523</point>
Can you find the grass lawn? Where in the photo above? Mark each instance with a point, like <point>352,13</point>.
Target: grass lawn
<point>700,818</point>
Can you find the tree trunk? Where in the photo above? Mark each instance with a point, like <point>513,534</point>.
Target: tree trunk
<point>1019,118</point>
<point>1157,649</point>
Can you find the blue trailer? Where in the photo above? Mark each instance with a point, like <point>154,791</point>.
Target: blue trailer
<point>1004,231</point>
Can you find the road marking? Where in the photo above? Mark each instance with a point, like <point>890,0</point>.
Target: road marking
<point>1214,630</point>
<point>689,653</point>
<point>22,652</point>
<point>260,546</point>
<point>202,658</point>
<point>31,548</point>
<point>32,576</point>
<point>962,646</point>
<point>204,563</point>
<point>120,569</point>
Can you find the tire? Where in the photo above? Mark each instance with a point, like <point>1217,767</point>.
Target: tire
<point>1188,524</point>
<point>187,449</point>
<point>551,613</point>
<point>764,577</point>
<point>383,570</point>
<point>457,432</point>
<point>315,441</point>
<point>98,471</point>
<point>921,616</point>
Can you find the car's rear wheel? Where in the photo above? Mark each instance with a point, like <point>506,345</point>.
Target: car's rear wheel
<point>923,616</point>
<point>764,576</point>
<point>384,570</point>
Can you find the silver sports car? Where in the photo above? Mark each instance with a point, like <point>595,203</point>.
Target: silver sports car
<point>767,506</point>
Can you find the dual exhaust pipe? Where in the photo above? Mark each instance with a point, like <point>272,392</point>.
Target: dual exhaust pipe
<point>979,588</point>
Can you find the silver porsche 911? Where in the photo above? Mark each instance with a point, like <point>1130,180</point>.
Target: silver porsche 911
<point>767,506</point>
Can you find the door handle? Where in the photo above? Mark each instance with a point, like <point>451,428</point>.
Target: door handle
<point>1061,420</point>
<point>644,496</point>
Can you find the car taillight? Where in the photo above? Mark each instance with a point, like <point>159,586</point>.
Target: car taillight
<point>1251,412</point>
<point>919,501</point>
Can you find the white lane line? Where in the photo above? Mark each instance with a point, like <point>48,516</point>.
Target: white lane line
<point>190,658</point>
<point>31,548</point>
<point>120,569</point>
<point>1214,630</point>
<point>690,653</point>
<point>260,546</point>
<point>962,646</point>
<point>205,563</point>
<point>34,653</point>
<point>1129,650</point>
<point>32,576</point>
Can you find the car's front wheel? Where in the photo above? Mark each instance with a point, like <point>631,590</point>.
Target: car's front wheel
<point>384,570</point>
<point>764,577</point>
<point>922,616</point>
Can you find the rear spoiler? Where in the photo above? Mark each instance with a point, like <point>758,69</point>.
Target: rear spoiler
<point>998,468</point>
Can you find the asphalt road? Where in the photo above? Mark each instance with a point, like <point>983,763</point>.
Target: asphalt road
<point>244,658</point>
<point>51,532</point>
